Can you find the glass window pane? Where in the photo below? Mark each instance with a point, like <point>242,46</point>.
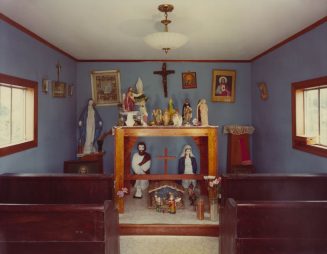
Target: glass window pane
<point>323,116</point>
<point>18,115</point>
<point>5,97</point>
<point>311,119</point>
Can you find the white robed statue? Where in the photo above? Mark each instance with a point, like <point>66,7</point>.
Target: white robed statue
<point>90,125</point>
<point>141,163</point>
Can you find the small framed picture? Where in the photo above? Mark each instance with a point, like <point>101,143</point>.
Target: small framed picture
<point>58,89</point>
<point>223,85</point>
<point>106,87</point>
<point>189,80</point>
<point>263,91</point>
<point>70,89</point>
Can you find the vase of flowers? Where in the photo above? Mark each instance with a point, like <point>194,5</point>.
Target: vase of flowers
<point>213,184</point>
<point>120,197</point>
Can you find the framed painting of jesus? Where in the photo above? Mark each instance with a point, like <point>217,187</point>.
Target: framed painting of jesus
<point>223,85</point>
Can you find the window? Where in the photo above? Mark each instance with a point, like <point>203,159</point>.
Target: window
<point>309,116</point>
<point>18,114</point>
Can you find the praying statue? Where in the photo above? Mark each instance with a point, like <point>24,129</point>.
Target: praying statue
<point>187,165</point>
<point>90,127</point>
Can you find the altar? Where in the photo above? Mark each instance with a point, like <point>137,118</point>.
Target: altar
<point>205,138</point>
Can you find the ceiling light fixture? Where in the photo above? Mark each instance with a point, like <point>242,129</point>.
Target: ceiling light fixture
<point>166,40</point>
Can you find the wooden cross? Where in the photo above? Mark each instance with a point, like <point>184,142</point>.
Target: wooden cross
<point>166,157</point>
<point>58,66</point>
<point>164,73</point>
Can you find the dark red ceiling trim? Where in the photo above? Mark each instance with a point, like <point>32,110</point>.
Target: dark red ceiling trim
<point>165,60</point>
<point>33,35</point>
<point>298,34</point>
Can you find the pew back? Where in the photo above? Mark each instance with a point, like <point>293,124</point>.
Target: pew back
<point>55,188</point>
<point>59,228</point>
<point>273,227</point>
<point>274,187</point>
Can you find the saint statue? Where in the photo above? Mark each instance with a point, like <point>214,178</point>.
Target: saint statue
<point>141,163</point>
<point>202,113</point>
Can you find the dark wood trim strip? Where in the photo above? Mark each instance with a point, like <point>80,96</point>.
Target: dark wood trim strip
<point>164,60</point>
<point>33,35</point>
<point>169,229</point>
<point>293,37</point>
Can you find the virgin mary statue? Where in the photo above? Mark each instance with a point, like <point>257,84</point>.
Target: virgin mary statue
<point>90,126</point>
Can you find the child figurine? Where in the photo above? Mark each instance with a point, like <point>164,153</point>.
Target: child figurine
<point>171,203</point>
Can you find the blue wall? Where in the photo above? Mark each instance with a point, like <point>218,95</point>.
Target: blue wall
<point>301,59</point>
<point>23,56</point>
<point>219,113</point>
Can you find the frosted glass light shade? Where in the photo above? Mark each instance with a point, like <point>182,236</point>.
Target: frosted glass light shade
<point>162,40</point>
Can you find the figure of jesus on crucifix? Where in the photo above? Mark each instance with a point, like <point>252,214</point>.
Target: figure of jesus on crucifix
<point>164,73</point>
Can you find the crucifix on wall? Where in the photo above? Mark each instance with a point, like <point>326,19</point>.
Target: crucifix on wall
<point>164,73</point>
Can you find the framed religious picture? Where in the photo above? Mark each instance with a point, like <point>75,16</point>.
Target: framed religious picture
<point>70,89</point>
<point>58,89</point>
<point>45,85</point>
<point>189,80</point>
<point>105,87</point>
<point>223,85</point>
<point>263,91</point>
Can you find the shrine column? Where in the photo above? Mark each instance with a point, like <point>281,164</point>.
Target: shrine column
<point>119,168</point>
<point>238,152</point>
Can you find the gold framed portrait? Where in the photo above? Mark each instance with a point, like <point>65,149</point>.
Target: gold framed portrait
<point>106,87</point>
<point>58,89</point>
<point>189,80</point>
<point>223,85</point>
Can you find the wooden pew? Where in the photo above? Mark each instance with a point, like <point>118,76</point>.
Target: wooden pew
<point>55,188</point>
<point>273,227</point>
<point>274,187</point>
<point>57,213</point>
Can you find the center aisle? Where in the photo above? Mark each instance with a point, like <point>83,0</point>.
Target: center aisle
<point>168,245</point>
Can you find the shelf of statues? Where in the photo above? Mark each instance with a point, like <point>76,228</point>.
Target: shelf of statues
<point>133,111</point>
<point>165,118</point>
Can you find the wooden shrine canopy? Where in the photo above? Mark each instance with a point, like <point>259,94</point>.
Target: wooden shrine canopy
<point>125,137</point>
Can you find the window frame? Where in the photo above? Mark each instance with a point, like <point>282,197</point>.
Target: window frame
<point>11,80</point>
<point>301,142</point>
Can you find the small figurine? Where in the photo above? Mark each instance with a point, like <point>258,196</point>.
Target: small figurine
<point>166,118</point>
<point>171,203</point>
<point>157,115</point>
<point>140,100</point>
<point>141,163</point>
<point>177,119</point>
<point>187,112</point>
<point>191,195</point>
<point>202,113</point>
<point>128,100</point>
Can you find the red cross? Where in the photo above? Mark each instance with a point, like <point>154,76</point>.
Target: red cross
<point>166,157</point>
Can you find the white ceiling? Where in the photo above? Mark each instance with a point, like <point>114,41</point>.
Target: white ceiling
<point>114,29</point>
